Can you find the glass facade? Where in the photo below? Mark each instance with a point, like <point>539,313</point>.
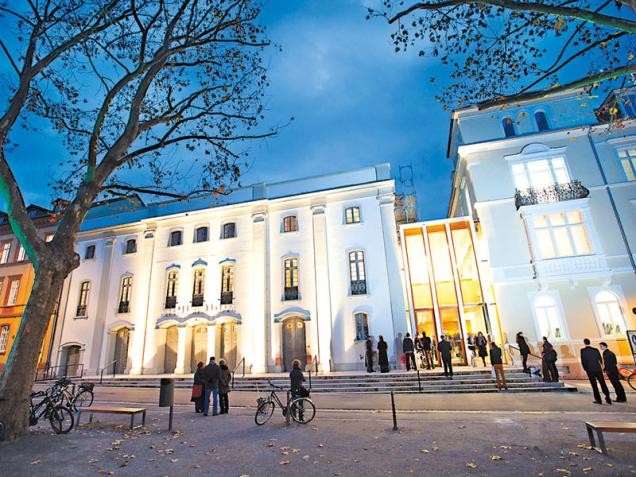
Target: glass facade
<point>447,296</point>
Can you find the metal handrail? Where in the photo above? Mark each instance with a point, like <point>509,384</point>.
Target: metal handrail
<point>316,364</point>
<point>529,354</point>
<point>101,374</point>
<point>242,361</point>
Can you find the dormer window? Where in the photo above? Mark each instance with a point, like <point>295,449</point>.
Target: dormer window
<point>352,215</point>
<point>541,120</point>
<point>131,246</point>
<point>290,224</point>
<point>176,238</point>
<point>228,230</point>
<point>201,234</point>
<point>509,127</point>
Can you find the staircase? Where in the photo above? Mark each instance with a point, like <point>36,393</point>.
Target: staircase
<point>469,381</point>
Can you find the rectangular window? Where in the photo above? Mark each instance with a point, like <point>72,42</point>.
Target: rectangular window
<point>627,157</point>
<point>14,287</point>
<point>352,215</point>
<point>357,273</point>
<point>291,279</point>
<point>561,235</point>
<point>6,250</point>
<point>131,246</point>
<point>90,252</point>
<point>176,238</point>
<point>229,230</point>
<point>227,284</point>
<point>540,174</point>
<point>83,299</point>
<point>4,338</point>
<point>197,290</point>
<point>171,289</point>
<point>362,326</point>
<point>290,224</point>
<point>21,254</point>
<point>201,235</point>
<point>124,297</point>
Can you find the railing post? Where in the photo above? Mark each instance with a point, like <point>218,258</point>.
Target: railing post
<point>243,366</point>
<point>395,426</point>
<point>419,382</point>
<point>310,379</point>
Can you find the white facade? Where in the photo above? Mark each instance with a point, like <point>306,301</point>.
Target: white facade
<point>279,289</point>
<point>560,253</point>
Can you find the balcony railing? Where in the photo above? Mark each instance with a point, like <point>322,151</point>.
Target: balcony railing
<point>81,310</point>
<point>358,287</point>
<point>124,307</point>
<point>227,297</point>
<point>171,302</point>
<point>197,300</point>
<point>291,293</point>
<point>554,193</point>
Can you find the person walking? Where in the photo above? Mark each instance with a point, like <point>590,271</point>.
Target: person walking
<point>549,356</point>
<point>409,352</point>
<point>397,347</point>
<point>593,366</point>
<point>225,380</point>
<point>211,379</point>
<point>482,344</point>
<point>497,364</point>
<point>611,369</point>
<point>524,350</point>
<point>426,348</point>
<point>369,354</point>
<point>445,348</point>
<point>197,388</point>
<point>383,357</point>
<point>472,349</point>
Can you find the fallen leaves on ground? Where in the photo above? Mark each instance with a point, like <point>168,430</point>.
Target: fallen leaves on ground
<point>496,457</point>
<point>36,462</point>
<point>471,465</point>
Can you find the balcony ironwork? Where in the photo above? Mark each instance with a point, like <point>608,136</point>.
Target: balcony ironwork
<point>358,287</point>
<point>291,293</point>
<point>553,193</point>
<point>124,307</point>
<point>227,297</point>
<point>171,302</point>
<point>197,300</point>
<point>81,310</point>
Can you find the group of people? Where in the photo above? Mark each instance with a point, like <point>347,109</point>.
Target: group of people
<point>548,357</point>
<point>212,380</point>
<point>594,364</point>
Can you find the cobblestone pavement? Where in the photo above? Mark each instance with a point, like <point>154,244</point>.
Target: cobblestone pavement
<point>525,435</point>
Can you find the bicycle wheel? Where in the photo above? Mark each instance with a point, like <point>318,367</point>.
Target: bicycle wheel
<point>302,410</point>
<point>632,381</point>
<point>264,412</point>
<point>61,419</point>
<point>84,399</point>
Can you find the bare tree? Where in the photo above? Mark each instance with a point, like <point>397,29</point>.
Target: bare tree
<point>126,83</point>
<point>498,52</point>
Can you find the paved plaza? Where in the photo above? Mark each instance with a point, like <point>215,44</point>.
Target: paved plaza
<point>457,434</point>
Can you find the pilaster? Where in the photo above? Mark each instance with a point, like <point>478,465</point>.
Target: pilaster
<point>323,324</point>
<point>257,331</point>
<point>142,289</point>
<point>99,331</point>
<point>181,350</point>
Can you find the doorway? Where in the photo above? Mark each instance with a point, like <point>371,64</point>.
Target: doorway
<point>121,350</point>
<point>72,361</point>
<point>199,346</point>
<point>170,355</point>
<point>294,342</point>
<point>227,342</point>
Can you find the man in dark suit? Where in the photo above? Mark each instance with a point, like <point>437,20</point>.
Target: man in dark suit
<point>369,354</point>
<point>593,366</point>
<point>611,369</point>
<point>444,348</point>
<point>409,352</point>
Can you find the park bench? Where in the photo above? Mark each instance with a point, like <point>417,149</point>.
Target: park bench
<point>607,426</point>
<point>132,411</point>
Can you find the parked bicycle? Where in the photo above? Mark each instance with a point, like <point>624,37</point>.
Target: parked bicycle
<point>302,409</point>
<point>628,375</point>
<point>75,396</point>
<point>51,407</point>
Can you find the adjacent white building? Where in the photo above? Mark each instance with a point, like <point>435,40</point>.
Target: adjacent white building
<point>552,191</point>
<point>302,269</point>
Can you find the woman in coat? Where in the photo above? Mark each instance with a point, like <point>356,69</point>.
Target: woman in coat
<point>524,350</point>
<point>198,379</point>
<point>383,358</point>
<point>225,380</point>
<point>482,343</point>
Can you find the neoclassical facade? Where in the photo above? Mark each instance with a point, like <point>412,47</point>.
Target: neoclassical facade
<point>303,269</point>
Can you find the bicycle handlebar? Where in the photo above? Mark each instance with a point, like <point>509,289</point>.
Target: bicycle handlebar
<point>273,385</point>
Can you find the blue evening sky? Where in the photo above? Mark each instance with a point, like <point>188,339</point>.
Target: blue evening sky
<point>356,103</point>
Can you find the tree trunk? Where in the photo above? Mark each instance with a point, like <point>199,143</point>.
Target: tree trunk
<point>16,382</point>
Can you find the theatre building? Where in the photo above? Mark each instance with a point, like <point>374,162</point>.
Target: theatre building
<point>303,269</point>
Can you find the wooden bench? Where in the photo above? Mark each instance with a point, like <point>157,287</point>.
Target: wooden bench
<point>132,411</point>
<point>607,426</point>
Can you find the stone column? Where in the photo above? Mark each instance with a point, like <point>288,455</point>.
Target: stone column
<point>257,328</point>
<point>181,350</point>
<point>101,294</point>
<point>211,343</point>
<point>323,325</point>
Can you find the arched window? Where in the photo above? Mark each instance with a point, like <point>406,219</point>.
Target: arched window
<point>357,273</point>
<point>171,289</point>
<point>352,215</point>
<point>176,238</point>
<point>362,326</point>
<point>201,234</point>
<point>228,231</point>
<point>131,246</point>
<point>82,304</point>
<point>610,314</point>
<point>548,317</point>
<point>509,127</point>
<point>290,266</point>
<point>227,284</point>
<point>198,288</point>
<point>290,224</point>
<point>541,120</point>
<point>124,295</point>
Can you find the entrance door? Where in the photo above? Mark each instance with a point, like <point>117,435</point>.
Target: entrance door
<point>121,350</point>
<point>170,355</point>
<point>72,360</point>
<point>294,344</point>
<point>228,341</point>
<point>199,346</point>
